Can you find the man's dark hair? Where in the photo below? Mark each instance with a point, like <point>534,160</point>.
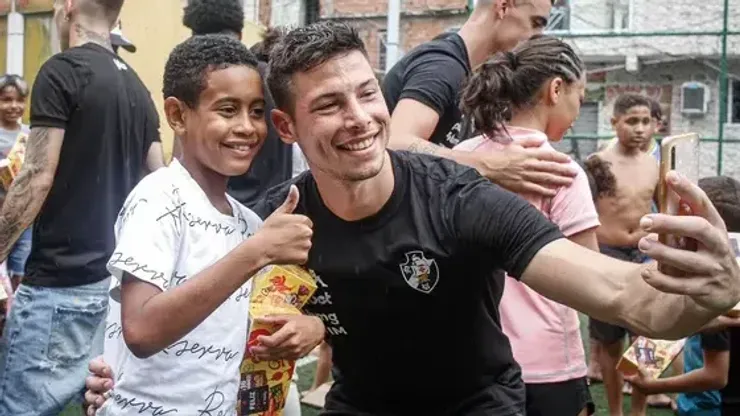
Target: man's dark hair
<point>111,9</point>
<point>270,37</point>
<point>305,48</point>
<point>205,17</point>
<point>191,61</point>
<point>625,102</point>
<point>724,192</point>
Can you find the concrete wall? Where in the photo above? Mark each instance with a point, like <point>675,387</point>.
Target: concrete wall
<point>653,15</point>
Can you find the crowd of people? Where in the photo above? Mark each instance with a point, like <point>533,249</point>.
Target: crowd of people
<point>452,246</point>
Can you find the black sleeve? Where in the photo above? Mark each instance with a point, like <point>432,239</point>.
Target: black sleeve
<point>55,93</point>
<point>152,125</point>
<point>491,220</point>
<point>434,79</point>
<point>715,341</point>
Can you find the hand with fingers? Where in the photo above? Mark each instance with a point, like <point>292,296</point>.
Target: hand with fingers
<point>298,335</point>
<point>710,275</point>
<point>642,383</point>
<point>287,236</point>
<point>525,167</point>
<point>98,384</point>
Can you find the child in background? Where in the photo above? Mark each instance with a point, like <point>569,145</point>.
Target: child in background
<point>536,91</point>
<point>13,96</point>
<point>704,388</point>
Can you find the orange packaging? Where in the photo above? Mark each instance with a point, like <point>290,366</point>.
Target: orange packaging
<point>651,356</point>
<point>264,385</point>
<point>11,165</point>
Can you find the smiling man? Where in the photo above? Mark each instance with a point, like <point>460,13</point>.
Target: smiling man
<point>410,250</point>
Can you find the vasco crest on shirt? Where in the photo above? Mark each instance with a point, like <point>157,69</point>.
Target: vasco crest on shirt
<point>420,272</point>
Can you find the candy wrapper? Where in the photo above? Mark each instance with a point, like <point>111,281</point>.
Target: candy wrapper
<point>651,356</point>
<point>264,384</point>
<point>11,165</point>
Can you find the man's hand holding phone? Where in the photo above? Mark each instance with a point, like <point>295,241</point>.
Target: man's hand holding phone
<point>710,275</point>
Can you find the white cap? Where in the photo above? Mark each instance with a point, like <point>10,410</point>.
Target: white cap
<point>118,39</point>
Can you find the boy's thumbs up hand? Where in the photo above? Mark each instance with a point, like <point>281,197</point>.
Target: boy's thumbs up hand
<point>287,235</point>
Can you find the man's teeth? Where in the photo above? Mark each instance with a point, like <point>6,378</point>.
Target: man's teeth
<point>360,145</point>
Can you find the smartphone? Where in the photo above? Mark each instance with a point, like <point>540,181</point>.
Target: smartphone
<point>681,154</point>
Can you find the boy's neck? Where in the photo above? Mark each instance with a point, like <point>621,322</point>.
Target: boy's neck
<point>12,126</point>
<point>629,152</point>
<point>213,184</point>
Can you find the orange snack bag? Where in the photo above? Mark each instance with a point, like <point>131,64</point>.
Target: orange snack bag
<point>11,165</point>
<point>651,356</point>
<point>264,385</point>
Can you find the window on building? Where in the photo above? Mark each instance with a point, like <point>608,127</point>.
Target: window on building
<point>382,36</point>
<point>620,14</point>
<point>735,101</point>
<point>559,16</point>
<point>312,11</point>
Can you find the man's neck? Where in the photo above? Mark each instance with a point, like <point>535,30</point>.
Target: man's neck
<point>82,33</point>
<point>355,200</point>
<point>476,34</point>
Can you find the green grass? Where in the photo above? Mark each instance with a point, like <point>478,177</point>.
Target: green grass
<point>306,378</point>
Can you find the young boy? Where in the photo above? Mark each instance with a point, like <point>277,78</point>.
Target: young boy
<point>626,179</point>
<point>185,250</point>
<point>707,355</point>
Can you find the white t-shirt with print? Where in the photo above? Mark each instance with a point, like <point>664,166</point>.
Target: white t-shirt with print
<point>166,232</point>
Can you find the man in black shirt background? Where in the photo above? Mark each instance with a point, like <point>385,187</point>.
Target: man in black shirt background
<point>94,129</point>
<point>409,251</point>
<point>423,88</point>
<point>274,162</point>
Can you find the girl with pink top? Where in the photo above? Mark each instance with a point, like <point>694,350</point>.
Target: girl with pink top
<point>536,91</point>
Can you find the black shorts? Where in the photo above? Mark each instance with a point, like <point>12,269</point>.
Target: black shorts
<point>601,331</point>
<point>566,398</point>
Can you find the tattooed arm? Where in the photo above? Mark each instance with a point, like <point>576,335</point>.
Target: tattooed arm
<point>30,188</point>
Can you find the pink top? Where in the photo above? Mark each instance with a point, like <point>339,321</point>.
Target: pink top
<point>545,336</point>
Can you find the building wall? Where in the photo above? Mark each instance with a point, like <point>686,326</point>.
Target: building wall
<point>651,16</point>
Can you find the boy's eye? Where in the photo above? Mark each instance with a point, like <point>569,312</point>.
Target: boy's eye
<point>368,93</point>
<point>257,112</point>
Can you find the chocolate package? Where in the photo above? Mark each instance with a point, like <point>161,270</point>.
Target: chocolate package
<point>264,385</point>
<point>650,356</point>
<point>11,165</point>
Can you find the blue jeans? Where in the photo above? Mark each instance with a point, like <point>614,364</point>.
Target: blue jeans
<point>19,253</point>
<point>50,336</point>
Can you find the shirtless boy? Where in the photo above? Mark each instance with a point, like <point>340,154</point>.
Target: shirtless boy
<point>626,179</point>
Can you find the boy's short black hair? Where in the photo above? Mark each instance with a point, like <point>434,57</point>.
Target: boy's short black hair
<point>190,62</point>
<point>724,192</point>
<point>205,17</point>
<point>655,111</point>
<point>305,48</point>
<point>629,100</point>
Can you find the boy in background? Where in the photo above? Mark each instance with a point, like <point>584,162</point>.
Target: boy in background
<point>626,179</point>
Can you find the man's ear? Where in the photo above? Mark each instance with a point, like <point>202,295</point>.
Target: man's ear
<point>174,110</point>
<point>284,125</point>
<point>614,122</point>
<point>554,89</point>
<point>69,6</point>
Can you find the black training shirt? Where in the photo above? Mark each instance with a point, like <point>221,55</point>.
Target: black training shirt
<point>433,74</point>
<point>110,122</point>
<point>731,392</point>
<point>410,295</point>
